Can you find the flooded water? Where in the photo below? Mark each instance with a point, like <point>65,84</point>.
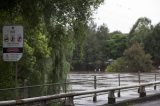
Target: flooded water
<point>84,82</point>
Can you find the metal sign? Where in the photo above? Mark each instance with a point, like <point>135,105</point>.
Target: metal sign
<point>12,43</point>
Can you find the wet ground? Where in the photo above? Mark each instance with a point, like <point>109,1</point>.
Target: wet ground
<point>149,103</point>
<point>84,82</point>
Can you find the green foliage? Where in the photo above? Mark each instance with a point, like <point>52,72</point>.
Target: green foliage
<point>52,28</point>
<point>6,79</point>
<point>119,65</point>
<point>94,54</point>
<point>140,30</point>
<point>137,60</point>
<point>134,60</point>
<point>99,46</point>
<point>148,36</point>
<point>152,44</point>
<point>115,45</point>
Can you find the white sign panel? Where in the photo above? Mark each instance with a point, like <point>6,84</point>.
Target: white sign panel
<point>12,43</point>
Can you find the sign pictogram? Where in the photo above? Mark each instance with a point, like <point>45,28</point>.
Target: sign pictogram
<point>12,43</point>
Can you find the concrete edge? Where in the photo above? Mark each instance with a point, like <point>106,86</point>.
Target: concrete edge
<point>135,100</point>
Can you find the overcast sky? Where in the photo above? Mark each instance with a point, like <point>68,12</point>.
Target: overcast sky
<point>122,14</point>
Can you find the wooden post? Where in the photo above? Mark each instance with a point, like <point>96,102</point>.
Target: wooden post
<point>44,103</point>
<point>69,101</point>
<point>25,90</point>
<point>155,81</point>
<point>65,86</point>
<point>139,77</point>
<point>95,87</point>
<point>142,91</point>
<point>139,80</point>
<point>119,84</point>
<point>111,97</point>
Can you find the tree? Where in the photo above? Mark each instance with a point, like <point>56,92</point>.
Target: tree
<point>134,60</point>
<point>148,37</point>
<point>52,29</point>
<point>118,65</point>
<point>101,36</point>
<point>137,60</point>
<point>152,44</point>
<point>140,30</point>
<point>115,45</point>
<point>94,54</point>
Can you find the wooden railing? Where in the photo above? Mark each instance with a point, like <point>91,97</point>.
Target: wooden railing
<point>70,96</point>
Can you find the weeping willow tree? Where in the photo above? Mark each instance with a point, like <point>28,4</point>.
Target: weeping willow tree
<point>52,28</point>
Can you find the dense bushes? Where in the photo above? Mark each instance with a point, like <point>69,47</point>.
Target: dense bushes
<point>133,60</point>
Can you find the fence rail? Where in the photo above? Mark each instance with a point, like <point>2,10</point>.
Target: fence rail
<point>95,91</point>
<point>111,97</point>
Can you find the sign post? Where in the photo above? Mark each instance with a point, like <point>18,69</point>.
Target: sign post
<point>16,80</point>
<point>13,47</point>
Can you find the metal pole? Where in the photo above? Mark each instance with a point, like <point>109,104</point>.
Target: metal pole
<point>95,87</point>
<point>119,85</point>
<point>16,80</point>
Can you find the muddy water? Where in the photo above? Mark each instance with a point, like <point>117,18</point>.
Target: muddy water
<point>84,82</point>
